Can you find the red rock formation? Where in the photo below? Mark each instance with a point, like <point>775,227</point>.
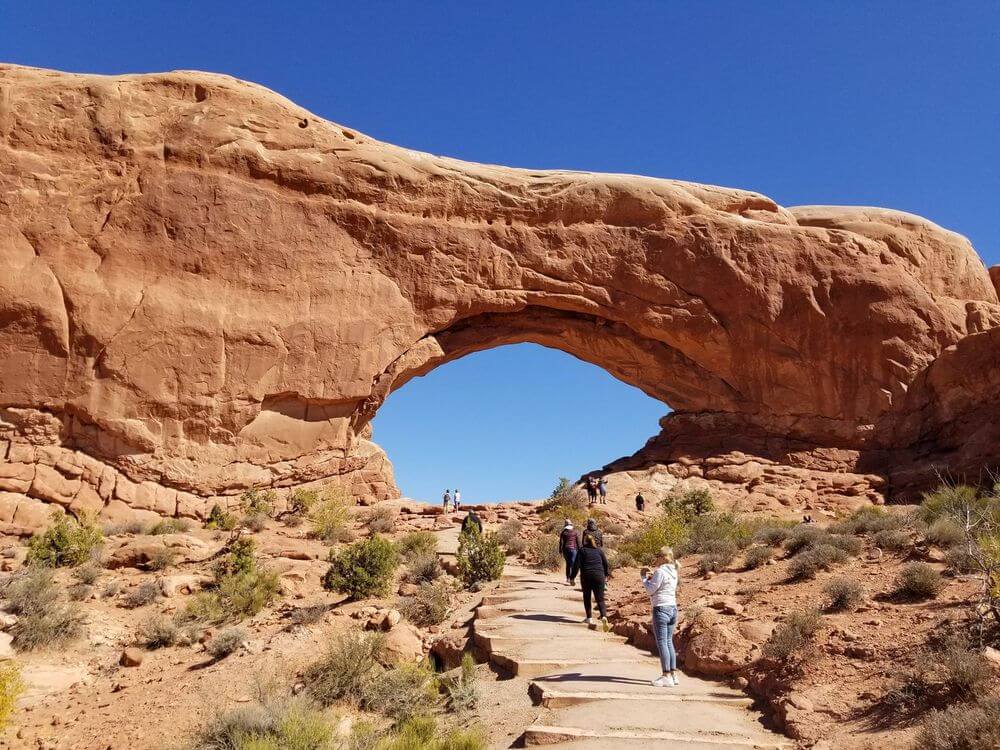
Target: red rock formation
<point>209,288</point>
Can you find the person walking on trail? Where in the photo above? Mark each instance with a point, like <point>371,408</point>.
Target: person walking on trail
<point>661,585</point>
<point>591,490</point>
<point>569,545</point>
<point>447,500</point>
<point>592,565</point>
<point>472,521</point>
<point>594,532</point>
<point>640,503</point>
<point>602,489</point>
<point>458,499</point>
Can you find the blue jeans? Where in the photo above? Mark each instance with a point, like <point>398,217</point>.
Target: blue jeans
<point>664,622</point>
<point>570,555</point>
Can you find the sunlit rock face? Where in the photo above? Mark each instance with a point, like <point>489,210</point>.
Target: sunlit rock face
<point>208,288</point>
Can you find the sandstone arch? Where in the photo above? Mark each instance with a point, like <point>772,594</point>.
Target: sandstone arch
<point>204,293</point>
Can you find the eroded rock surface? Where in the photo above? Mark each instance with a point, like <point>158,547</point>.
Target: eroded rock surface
<point>209,288</point>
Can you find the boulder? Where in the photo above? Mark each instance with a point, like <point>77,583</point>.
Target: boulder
<point>403,643</point>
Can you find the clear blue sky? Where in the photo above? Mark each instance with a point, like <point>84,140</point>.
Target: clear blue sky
<point>891,104</point>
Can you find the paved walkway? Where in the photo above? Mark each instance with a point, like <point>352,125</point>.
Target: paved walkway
<point>593,688</point>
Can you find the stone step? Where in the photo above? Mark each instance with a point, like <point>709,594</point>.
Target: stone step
<point>538,734</point>
<point>549,697</point>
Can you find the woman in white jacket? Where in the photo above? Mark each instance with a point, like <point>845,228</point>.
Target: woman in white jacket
<point>661,585</point>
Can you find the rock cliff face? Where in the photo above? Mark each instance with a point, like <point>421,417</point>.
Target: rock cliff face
<point>207,287</point>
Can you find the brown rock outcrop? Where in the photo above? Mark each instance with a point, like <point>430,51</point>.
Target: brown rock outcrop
<point>209,288</point>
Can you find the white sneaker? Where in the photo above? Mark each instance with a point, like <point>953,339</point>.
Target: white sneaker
<point>605,625</point>
<point>675,680</point>
<point>588,620</point>
<point>663,681</point>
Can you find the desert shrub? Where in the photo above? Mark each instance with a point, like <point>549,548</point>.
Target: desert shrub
<point>892,540</point>
<point>757,557</point>
<point>308,615</point>
<point>566,501</point>
<point>618,559</point>
<point>918,580</point>
<point>346,669</point>
<point>226,642</point>
<point>300,501</point>
<point>240,558</point>
<point>258,502</point>
<point>544,550</point>
<point>141,595</point>
<point>111,589</point>
<point>944,533</point>
<point>848,544</point>
<point>480,557</point>
<point>289,724</point>
<point>688,504</point>
<point>713,563</point>
<point>246,594</point>
<point>158,631</point>
<point>422,733</point>
<point>814,558</point>
<point>169,526</point>
<point>381,519</point>
<point>969,726</point>
<point>423,568</point>
<point>773,533</point>
<point>462,689</point>
<point>79,591</point>
<point>362,569</point>
<point>964,672</point>
<point>88,574</point>
<point>802,536</point>
<point>430,605</point>
<point>643,545</point>
<point>417,544</point>
<point>330,516</point>
<point>11,687</point>
<point>959,559</point>
<point>43,618</point>
<point>518,546</point>
<point>65,542</point>
<point>954,501</point>
<point>510,531</point>
<point>869,519</point>
<point>844,594</point>
<point>205,606</point>
<point>611,527</point>
<point>716,532</point>
<point>220,519</point>
<point>162,558</point>
<point>791,637</point>
<point>400,693</point>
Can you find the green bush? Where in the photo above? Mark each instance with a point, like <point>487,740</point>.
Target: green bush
<point>422,733</point>
<point>362,569</point>
<point>688,504</point>
<point>953,501</point>
<point>430,605</point>
<point>462,688</point>
<point>417,544</point>
<point>43,618</point>
<point>330,516</point>
<point>852,546</point>
<point>814,558</point>
<point>11,687</point>
<point>288,724</point>
<point>844,594</point>
<point>964,672</point>
<point>566,501</point>
<point>869,519</point>
<point>758,557</point>
<point>242,587</point>
<point>169,526</point>
<point>220,519</point>
<point>960,560</point>
<point>480,557</point>
<point>918,580</point>
<point>968,726</point>
<point>773,533</point>
<point>802,536</point>
<point>644,545</point>
<point>65,542</point>
<point>162,558</point>
<point>791,637</point>
<point>714,532</point>
<point>345,671</point>
<point>944,533</point>
<point>258,502</point>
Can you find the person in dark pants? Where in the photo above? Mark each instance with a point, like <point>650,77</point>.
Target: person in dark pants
<point>640,503</point>
<point>592,565</point>
<point>569,545</point>
<point>472,521</point>
<point>594,532</point>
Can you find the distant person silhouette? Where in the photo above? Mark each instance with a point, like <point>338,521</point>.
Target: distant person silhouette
<point>458,499</point>
<point>592,565</point>
<point>591,490</point>
<point>640,503</point>
<point>569,545</point>
<point>447,500</point>
<point>602,489</point>
<point>594,532</point>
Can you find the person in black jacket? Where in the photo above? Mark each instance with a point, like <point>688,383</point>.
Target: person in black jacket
<point>569,545</point>
<point>594,532</point>
<point>592,565</point>
<point>472,520</point>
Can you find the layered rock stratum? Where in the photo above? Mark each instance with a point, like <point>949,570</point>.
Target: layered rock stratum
<point>208,288</point>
